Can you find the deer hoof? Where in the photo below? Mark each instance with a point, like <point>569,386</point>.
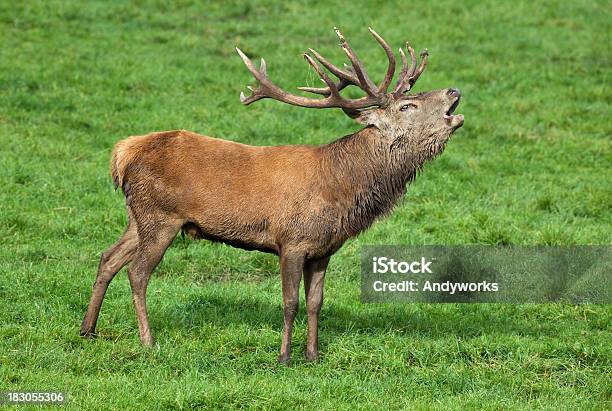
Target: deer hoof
<point>284,359</point>
<point>89,334</point>
<point>147,341</point>
<point>312,356</point>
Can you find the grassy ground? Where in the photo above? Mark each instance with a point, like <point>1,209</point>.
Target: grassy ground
<point>530,166</point>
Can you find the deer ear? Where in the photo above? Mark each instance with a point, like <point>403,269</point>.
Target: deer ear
<point>367,117</point>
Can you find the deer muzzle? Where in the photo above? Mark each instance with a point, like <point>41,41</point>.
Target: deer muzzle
<point>455,121</point>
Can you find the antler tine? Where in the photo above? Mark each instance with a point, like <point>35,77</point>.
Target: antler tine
<point>364,81</point>
<point>259,75</point>
<point>419,71</point>
<point>351,79</point>
<point>324,91</point>
<point>406,72</point>
<point>333,88</point>
<point>382,88</point>
<point>341,74</point>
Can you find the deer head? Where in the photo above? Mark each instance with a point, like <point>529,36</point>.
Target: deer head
<point>422,121</point>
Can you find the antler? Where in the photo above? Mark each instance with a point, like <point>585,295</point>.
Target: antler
<point>350,76</point>
<point>355,75</point>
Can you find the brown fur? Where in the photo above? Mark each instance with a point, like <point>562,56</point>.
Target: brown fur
<point>299,202</point>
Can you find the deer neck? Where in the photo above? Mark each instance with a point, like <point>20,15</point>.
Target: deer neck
<point>365,176</point>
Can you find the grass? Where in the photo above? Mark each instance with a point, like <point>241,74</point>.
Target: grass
<point>530,166</point>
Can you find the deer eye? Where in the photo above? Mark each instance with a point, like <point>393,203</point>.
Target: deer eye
<point>407,106</point>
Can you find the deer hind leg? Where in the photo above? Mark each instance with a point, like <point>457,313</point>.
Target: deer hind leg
<point>111,261</point>
<point>154,240</point>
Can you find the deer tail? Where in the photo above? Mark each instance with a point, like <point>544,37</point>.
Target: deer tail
<point>122,156</point>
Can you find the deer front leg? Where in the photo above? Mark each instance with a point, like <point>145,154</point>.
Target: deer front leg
<point>291,267</point>
<point>314,274</point>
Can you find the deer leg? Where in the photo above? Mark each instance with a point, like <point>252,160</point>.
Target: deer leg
<point>291,266</point>
<point>314,274</point>
<point>150,251</point>
<point>111,261</point>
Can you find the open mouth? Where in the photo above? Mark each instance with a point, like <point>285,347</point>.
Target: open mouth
<point>454,120</point>
<point>452,108</point>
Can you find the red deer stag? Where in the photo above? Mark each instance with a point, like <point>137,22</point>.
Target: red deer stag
<point>299,202</point>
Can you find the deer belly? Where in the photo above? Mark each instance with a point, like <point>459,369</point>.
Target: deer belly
<point>247,236</point>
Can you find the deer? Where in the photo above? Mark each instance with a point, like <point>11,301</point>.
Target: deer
<point>299,202</point>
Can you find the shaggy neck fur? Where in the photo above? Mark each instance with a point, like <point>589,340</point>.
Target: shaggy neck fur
<point>366,174</point>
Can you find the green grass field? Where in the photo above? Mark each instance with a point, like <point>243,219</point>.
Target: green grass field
<point>532,165</point>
